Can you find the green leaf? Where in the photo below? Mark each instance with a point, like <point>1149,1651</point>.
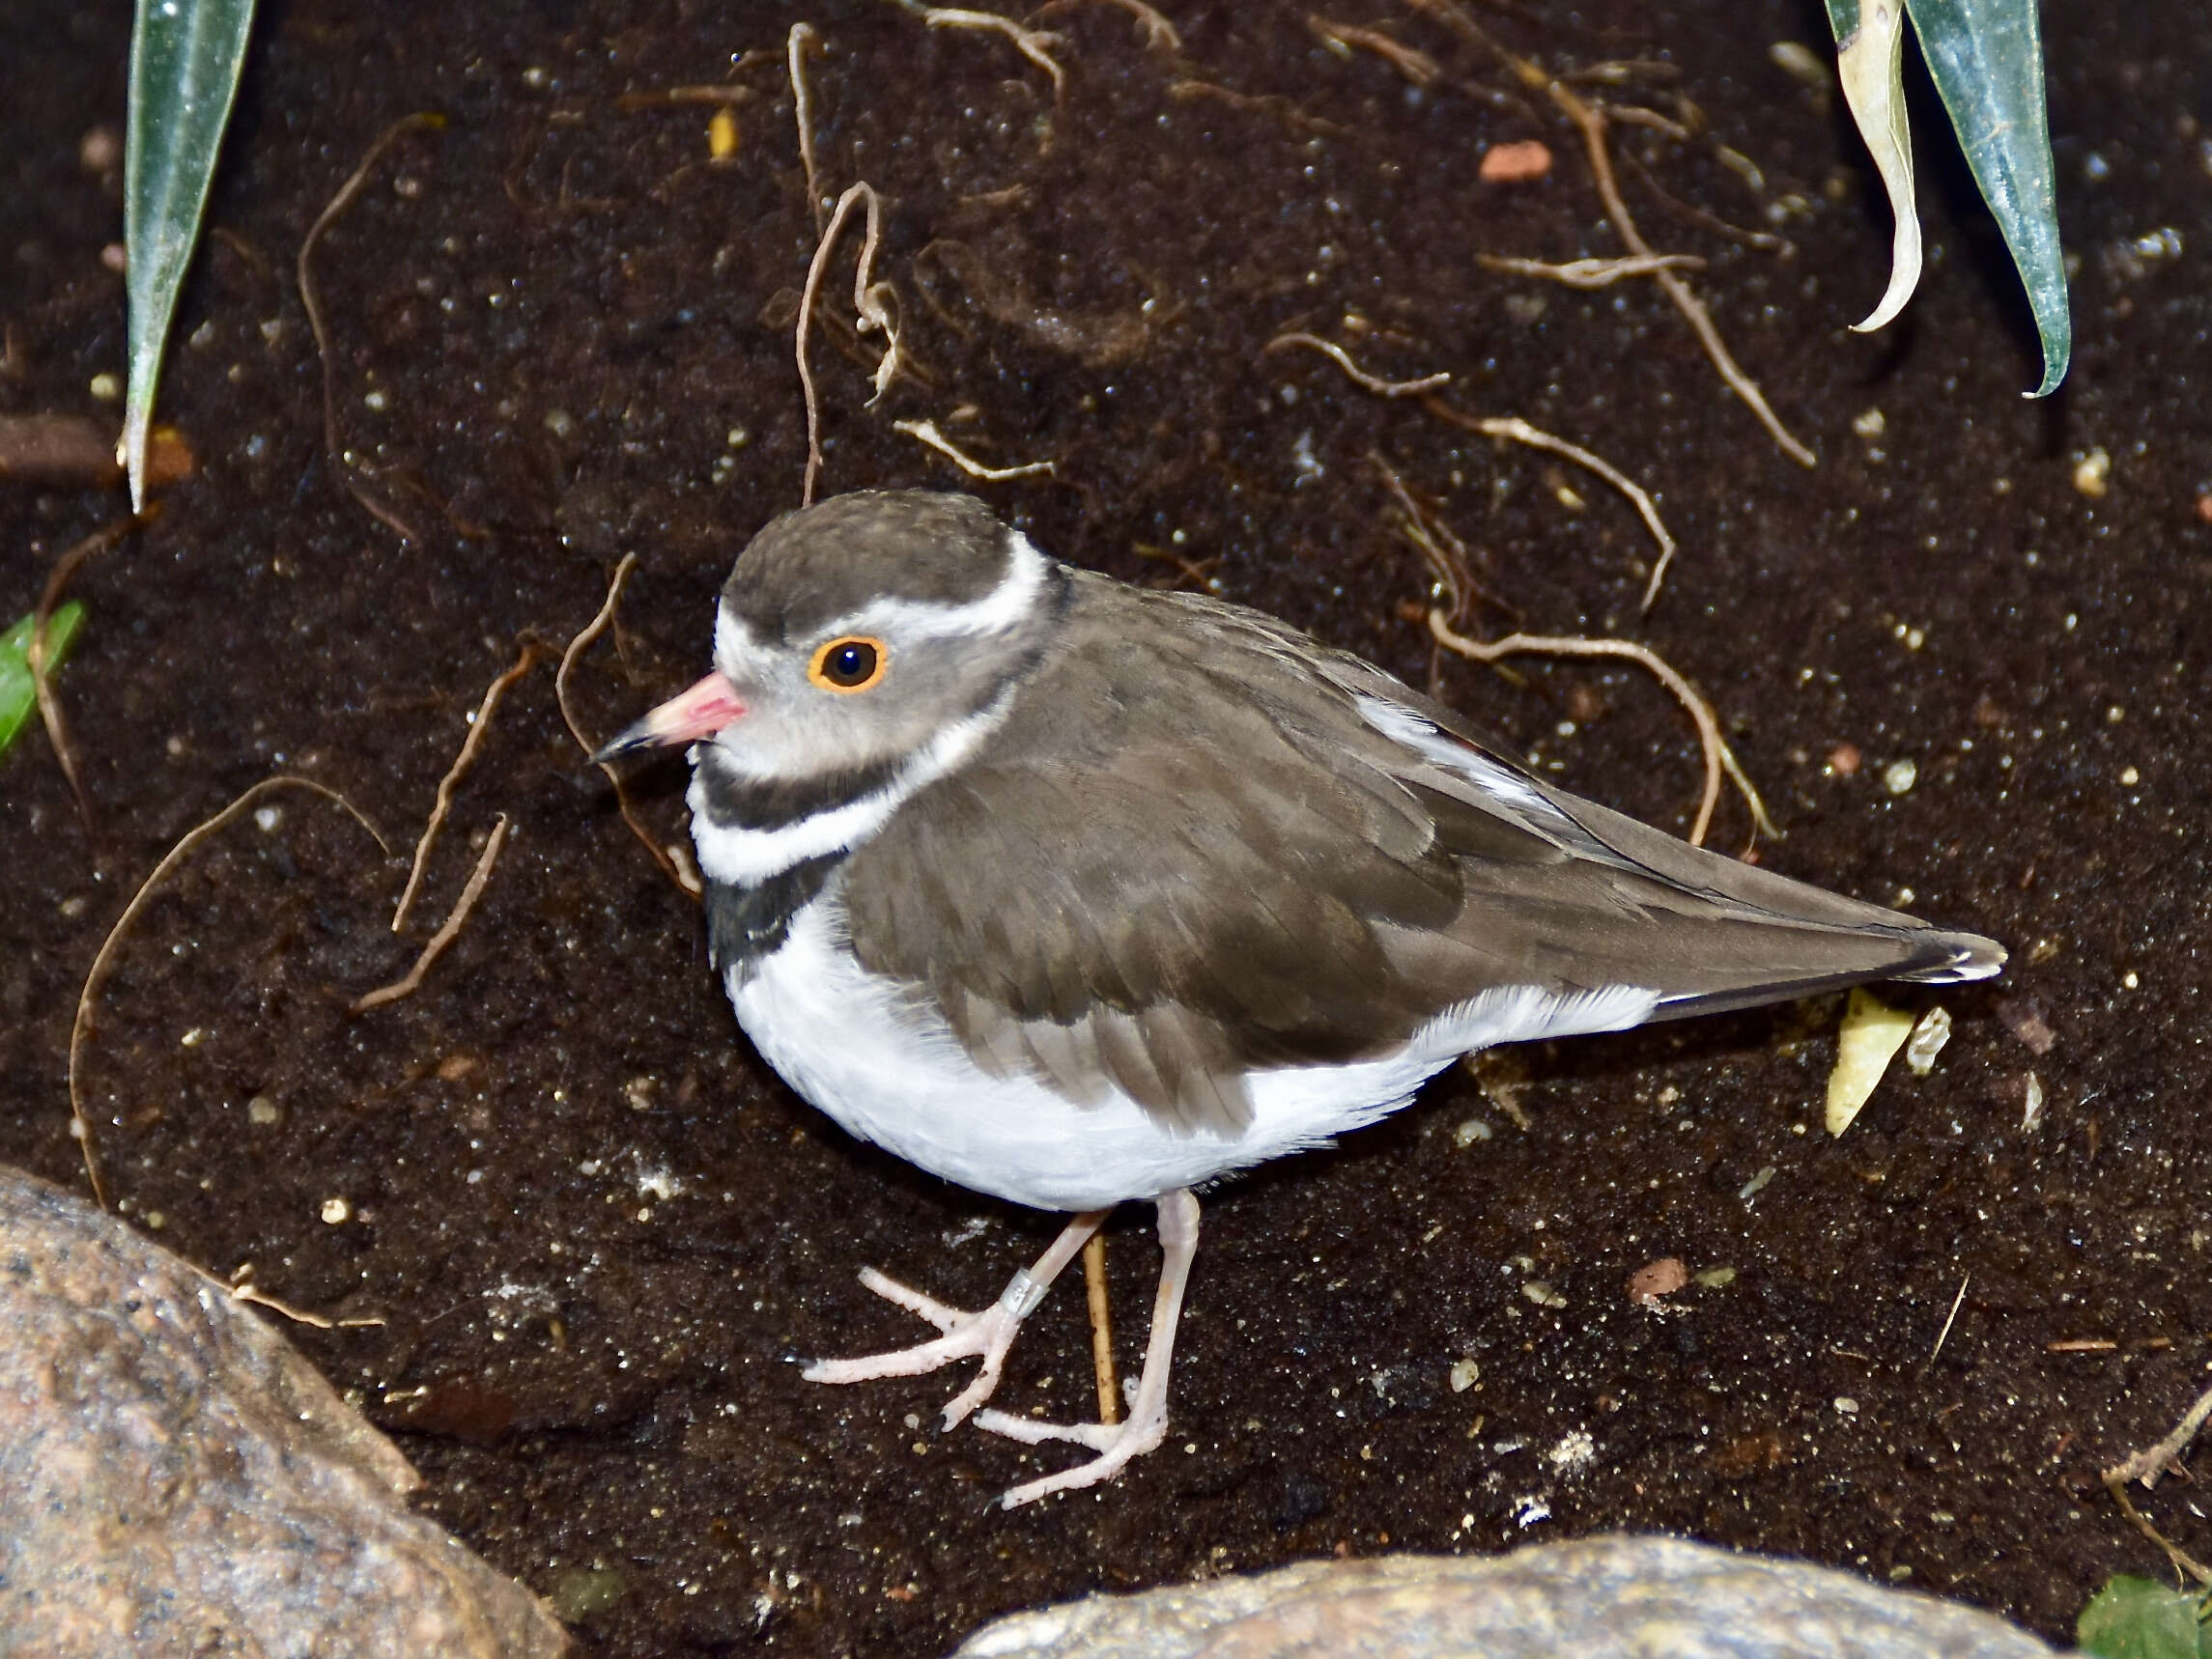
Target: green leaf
<point>1986,59</point>
<point>2135,1618</point>
<point>184,61</point>
<point>18,694</point>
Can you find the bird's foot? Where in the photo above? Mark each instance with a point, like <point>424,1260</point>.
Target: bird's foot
<point>985,1336</point>
<point>1116,1444</point>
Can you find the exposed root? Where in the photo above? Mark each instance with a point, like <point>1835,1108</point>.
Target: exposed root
<point>2146,1466</point>
<point>1591,121</point>
<point>1101,1327</point>
<point>1429,536</point>
<point>718,94</point>
<point>1718,756</point>
<point>80,1028</point>
<point>447,933</point>
<point>1419,67</point>
<point>802,37</point>
<point>240,1287</point>
<point>2183,1561</point>
<point>1159,34</point>
<point>1591,272</point>
<point>454,774</point>
<point>926,431</point>
<point>1275,104</point>
<point>1765,240</point>
<point>1033,44</point>
<point>1518,430</point>
<point>681,874</point>
<point>1336,353</point>
<point>311,299</point>
<point>868,300</point>
<point>1636,115</point>
<point>42,685</point>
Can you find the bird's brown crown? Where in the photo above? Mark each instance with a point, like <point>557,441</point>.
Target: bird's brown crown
<point>827,561</point>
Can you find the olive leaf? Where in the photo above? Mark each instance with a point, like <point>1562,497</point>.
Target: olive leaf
<point>2137,1618</point>
<point>19,690</point>
<point>184,61</point>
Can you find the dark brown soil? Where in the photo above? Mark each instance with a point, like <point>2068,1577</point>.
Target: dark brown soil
<point>600,1234</point>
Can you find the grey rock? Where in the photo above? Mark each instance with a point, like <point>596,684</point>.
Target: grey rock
<point>174,1480</point>
<point>1615,1597</point>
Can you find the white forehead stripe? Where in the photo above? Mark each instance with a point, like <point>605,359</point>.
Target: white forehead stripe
<point>1005,607</point>
<point>736,653</point>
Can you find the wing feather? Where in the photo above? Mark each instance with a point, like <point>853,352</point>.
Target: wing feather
<point>1204,844</point>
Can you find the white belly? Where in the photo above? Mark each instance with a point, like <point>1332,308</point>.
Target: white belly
<point>859,1049</point>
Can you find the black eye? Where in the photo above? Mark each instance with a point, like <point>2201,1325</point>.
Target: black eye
<point>850,664</point>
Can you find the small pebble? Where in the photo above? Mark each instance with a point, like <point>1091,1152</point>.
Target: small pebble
<point>335,1211</point>
<point>1514,164</point>
<point>1899,776</point>
<point>1927,1041</point>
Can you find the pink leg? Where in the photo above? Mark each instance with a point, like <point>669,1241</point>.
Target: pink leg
<point>984,1335</point>
<point>1147,1425</point>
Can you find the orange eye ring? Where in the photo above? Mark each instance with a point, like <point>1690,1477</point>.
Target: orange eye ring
<point>850,662</point>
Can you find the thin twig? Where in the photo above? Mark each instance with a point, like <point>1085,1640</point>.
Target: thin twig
<point>310,299</point>
<point>1587,273</point>
<point>867,302</point>
<point>1949,1319</point>
<point>80,1028</point>
<point>592,630</point>
<point>1374,383</point>
<point>454,774</point>
<point>1591,120</point>
<point>446,935</point>
<point>1101,1327</point>
<point>802,37</point>
<point>925,430</point>
<point>1518,430</point>
<point>42,683</point>
<point>2148,1465</point>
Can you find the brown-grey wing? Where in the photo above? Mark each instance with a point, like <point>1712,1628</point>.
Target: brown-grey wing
<point>1185,858</point>
<point>1708,932</point>
<point>1204,844</point>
